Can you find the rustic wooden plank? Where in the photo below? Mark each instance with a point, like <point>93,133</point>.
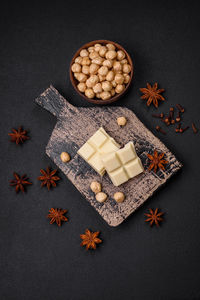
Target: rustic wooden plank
<point>76,125</point>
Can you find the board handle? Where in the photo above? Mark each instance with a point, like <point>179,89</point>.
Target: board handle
<point>52,101</point>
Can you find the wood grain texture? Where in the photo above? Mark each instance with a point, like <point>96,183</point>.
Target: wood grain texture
<point>76,125</point>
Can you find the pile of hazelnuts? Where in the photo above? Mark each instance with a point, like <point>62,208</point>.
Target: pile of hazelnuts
<point>102,71</point>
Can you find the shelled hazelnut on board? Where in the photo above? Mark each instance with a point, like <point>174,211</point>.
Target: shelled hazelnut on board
<point>95,187</point>
<point>103,69</point>
<point>101,197</point>
<point>65,157</point>
<point>121,121</point>
<point>119,197</point>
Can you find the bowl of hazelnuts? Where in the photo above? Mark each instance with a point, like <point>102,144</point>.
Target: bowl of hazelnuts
<point>101,71</point>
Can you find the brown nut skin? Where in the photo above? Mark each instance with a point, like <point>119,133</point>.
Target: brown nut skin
<point>65,157</point>
<point>95,187</point>
<point>101,197</point>
<point>119,197</point>
<point>121,121</point>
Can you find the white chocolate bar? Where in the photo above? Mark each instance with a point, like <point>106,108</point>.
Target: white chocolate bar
<point>99,143</point>
<point>122,164</point>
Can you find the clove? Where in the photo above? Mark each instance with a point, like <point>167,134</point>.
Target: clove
<point>159,129</point>
<point>171,115</point>
<point>180,108</point>
<point>161,115</point>
<point>194,128</point>
<point>178,128</point>
<point>183,129</point>
<point>178,118</point>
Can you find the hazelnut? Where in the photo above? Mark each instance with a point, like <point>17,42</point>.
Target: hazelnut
<point>97,88</point>
<point>110,76</point>
<point>108,63</point>
<point>97,47</point>
<point>103,51</point>
<point>119,78</point>
<point>81,87</point>
<point>102,78</point>
<point>91,81</point>
<point>112,92</point>
<point>103,71</point>
<point>101,197</point>
<point>93,68</point>
<point>114,84</point>
<point>126,68</point>
<point>119,197</point>
<point>106,86</point>
<point>65,157</point>
<point>90,49</point>
<point>126,78</point>
<point>80,77</point>
<point>124,61</point>
<point>86,70</point>
<point>94,79</point>
<point>111,54</point>
<point>86,61</point>
<point>93,55</point>
<point>119,88</point>
<point>84,53</point>
<point>95,187</point>
<point>97,60</point>
<point>121,121</point>
<point>120,55</point>
<point>105,95</point>
<point>89,93</point>
<point>117,66</point>
<point>110,47</point>
<point>98,95</point>
<point>78,60</point>
<point>76,68</point>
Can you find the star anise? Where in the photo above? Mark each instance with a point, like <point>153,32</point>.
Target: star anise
<point>48,178</point>
<point>19,182</point>
<point>18,136</point>
<point>157,161</point>
<point>154,217</point>
<point>57,215</point>
<point>90,239</point>
<point>152,94</point>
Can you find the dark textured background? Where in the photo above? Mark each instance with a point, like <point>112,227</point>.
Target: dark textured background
<point>42,261</point>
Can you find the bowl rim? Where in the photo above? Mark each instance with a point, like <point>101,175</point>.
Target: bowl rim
<point>74,80</point>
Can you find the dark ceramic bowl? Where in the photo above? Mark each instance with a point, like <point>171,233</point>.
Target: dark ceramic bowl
<point>75,82</point>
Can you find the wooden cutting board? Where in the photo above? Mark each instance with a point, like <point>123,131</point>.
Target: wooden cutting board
<point>76,125</point>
